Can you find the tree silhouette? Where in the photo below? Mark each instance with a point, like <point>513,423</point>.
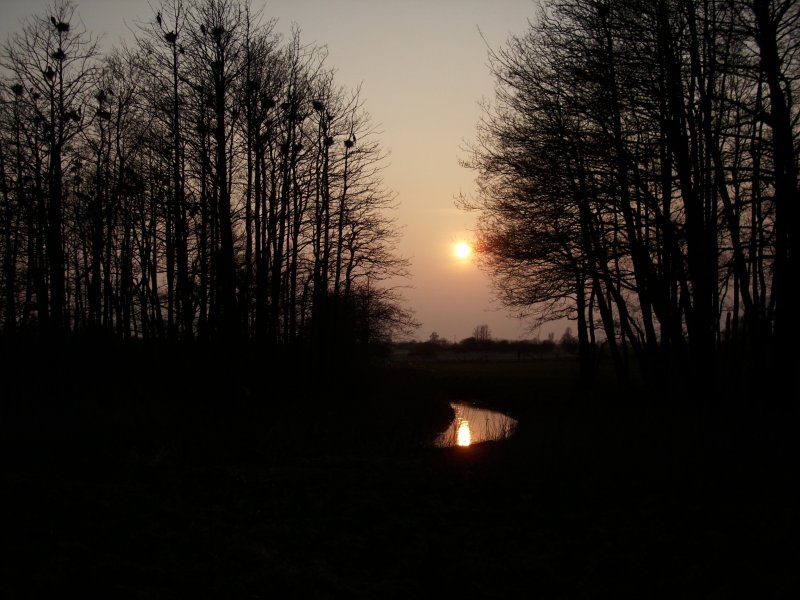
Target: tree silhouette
<point>629,178</point>
<point>50,64</point>
<point>219,186</point>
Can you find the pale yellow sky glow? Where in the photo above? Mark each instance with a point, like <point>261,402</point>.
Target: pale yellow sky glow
<point>422,68</point>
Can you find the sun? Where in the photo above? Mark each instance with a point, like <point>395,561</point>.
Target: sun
<point>462,250</point>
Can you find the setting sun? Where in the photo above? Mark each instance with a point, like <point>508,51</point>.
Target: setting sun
<point>462,250</point>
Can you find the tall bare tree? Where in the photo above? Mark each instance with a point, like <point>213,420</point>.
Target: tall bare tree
<point>53,60</point>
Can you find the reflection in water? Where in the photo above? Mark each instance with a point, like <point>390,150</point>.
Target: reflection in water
<point>464,436</point>
<point>473,425</point>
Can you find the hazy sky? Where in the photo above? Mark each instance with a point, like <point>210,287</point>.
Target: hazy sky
<point>422,67</point>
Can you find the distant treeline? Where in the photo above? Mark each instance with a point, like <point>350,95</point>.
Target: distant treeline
<point>566,345</point>
<point>638,173</point>
<point>209,180</point>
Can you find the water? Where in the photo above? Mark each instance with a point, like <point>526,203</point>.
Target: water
<point>472,425</point>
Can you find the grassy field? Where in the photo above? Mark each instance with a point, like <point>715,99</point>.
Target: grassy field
<point>313,494</point>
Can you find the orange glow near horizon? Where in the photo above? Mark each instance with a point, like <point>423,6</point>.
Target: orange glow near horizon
<point>464,434</point>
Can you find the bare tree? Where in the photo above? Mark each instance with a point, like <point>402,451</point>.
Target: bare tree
<point>53,60</point>
<point>628,174</point>
<point>211,180</point>
<point>482,333</point>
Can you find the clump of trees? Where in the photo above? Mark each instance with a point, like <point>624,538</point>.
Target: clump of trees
<point>209,181</point>
<point>638,173</point>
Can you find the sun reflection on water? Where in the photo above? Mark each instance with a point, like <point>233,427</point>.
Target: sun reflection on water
<point>464,434</point>
<point>473,425</point>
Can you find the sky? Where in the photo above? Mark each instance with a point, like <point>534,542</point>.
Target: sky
<point>422,67</point>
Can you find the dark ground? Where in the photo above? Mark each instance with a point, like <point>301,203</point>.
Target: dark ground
<point>300,501</point>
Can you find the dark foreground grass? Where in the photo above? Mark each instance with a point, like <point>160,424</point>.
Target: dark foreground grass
<point>316,496</point>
